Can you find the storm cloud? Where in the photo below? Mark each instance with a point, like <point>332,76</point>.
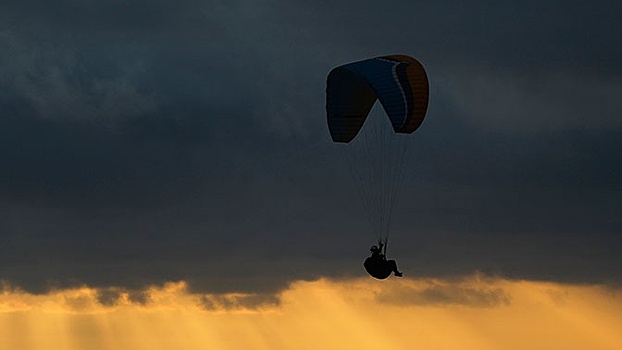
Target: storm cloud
<point>145,141</point>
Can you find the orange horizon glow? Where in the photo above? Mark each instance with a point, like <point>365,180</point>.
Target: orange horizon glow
<point>473,313</point>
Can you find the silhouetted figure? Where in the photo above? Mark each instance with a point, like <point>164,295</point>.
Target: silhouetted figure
<point>378,266</point>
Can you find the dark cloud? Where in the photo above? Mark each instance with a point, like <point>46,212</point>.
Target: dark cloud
<point>144,142</point>
<point>446,294</point>
<point>111,296</point>
<point>78,303</point>
<point>108,297</point>
<point>215,302</point>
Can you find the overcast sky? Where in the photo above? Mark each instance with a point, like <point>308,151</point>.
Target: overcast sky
<point>146,141</point>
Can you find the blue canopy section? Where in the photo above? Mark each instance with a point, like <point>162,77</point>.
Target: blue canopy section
<point>398,81</point>
<point>381,75</point>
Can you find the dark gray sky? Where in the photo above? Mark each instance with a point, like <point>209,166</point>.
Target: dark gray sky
<point>145,141</point>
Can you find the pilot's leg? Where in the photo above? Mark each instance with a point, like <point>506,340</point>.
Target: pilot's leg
<point>393,267</point>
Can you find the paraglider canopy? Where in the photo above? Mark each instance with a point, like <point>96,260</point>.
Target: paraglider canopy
<point>398,81</point>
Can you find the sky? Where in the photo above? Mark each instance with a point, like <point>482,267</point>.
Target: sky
<point>471,313</point>
<point>149,144</point>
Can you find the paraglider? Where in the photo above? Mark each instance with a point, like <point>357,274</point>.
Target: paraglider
<point>378,266</point>
<point>377,157</point>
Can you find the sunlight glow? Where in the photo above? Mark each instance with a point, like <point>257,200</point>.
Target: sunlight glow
<point>472,313</point>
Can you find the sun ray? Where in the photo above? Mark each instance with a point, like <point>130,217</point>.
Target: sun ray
<point>473,313</point>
